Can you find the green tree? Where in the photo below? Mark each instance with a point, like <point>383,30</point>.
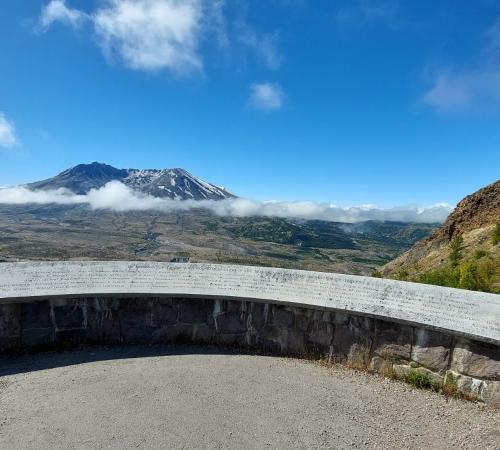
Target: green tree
<point>456,250</point>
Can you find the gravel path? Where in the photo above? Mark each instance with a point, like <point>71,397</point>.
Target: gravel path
<point>182,397</point>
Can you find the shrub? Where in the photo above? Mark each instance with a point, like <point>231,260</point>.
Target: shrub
<point>421,380</point>
<point>478,254</point>
<point>496,234</point>
<point>376,274</point>
<point>468,276</point>
<point>472,275</point>
<point>450,386</point>
<point>445,276</point>
<point>402,275</point>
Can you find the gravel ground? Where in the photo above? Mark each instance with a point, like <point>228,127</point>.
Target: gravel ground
<point>183,397</point>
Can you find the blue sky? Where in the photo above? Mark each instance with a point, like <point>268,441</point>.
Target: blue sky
<point>383,102</point>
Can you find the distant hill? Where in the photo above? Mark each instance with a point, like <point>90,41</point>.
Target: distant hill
<point>176,184</point>
<point>462,252</point>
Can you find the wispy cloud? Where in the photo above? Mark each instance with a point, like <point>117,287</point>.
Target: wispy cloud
<point>8,138</point>
<point>473,88</point>
<point>363,12</point>
<point>264,46</point>
<point>57,11</point>
<point>464,90</point>
<point>118,197</point>
<point>266,96</point>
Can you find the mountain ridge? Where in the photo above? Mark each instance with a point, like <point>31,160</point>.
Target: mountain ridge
<point>175,183</point>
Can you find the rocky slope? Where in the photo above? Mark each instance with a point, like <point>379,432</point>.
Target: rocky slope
<point>474,220</point>
<point>177,184</point>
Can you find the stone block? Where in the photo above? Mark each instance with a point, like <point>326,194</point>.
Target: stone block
<point>476,359</point>
<point>136,313</point>
<point>37,337</point>
<point>271,339</point>
<point>268,345</point>
<point>69,316</point>
<point>282,317</point>
<point>10,344</point>
<point>491,393</point>
<point>36,315</point>
<point>302,322</point>
<point>271,332</point>
<point>231,339</point>
<point>259,313</point>
<point>319,338</point>
<point>359,355</point>
<point>358,334</point>
<point>71,338</point>
<point>295,343</point>
<point>392,340</point>
<point>103,325</point>
<point>431,349</point>
<point>402,370</point>
<point>10,326</point>
<point>138,334</point>
<point>203,333</point>
<point>469,387</point>
<point>179,333</point>
<point>234,306</point>
<point>231,323</point>
<point>341,319</point>
<point>195,310</point>
<point>380,365</point>
<point>165,314</point>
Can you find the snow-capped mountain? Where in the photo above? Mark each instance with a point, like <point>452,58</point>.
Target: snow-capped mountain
<point>177,184</point>
<point>174,183</point>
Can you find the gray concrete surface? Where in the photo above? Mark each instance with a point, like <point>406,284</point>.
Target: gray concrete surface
<point>183,397</point>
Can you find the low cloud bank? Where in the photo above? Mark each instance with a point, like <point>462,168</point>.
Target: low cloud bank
<point>116,196</point>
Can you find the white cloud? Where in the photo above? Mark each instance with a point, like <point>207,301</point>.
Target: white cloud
<point>151,34</point>
<point>8,136</point>
<point>266,96</point>
<point>143,34</point>
<point>57,11</point>
<point>472,88</point>
<point>118,197</point>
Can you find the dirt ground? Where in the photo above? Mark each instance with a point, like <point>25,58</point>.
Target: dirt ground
<point>190,397</point>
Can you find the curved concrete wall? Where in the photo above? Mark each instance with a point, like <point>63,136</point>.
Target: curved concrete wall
<point>448,335</point>
<point>471,314</point>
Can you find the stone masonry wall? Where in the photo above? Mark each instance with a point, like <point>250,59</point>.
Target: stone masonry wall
<point>472,368</point>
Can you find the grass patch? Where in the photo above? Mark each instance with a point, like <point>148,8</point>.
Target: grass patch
<point>421,380</point>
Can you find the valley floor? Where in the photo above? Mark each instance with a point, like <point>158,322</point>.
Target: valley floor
<point>78,233</point>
